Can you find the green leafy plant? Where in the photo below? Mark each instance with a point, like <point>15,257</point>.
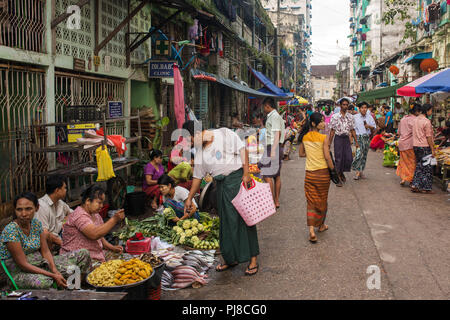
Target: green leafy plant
<point>160,124</point>
<point>398,10</point>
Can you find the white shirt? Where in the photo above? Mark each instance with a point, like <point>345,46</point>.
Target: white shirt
<point>180,195</point>
<point>52,215</point>
<point>221,157</point>
<point>359,123</point>
<point>274,123</point>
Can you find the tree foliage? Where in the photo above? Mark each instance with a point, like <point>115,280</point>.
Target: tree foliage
<point>398,10</point>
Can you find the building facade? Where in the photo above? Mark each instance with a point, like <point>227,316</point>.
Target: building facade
<point>294,27</point>
<point>324,82</point>
<point>100,52</point>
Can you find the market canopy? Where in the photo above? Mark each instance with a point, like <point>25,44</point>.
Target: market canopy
<point>269,87</point>
<point>205,76</point>
<point>379,93</point>
<point>433,82</point>
<point>419,56</point>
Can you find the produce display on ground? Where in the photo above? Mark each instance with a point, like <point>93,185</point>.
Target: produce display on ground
<point>391,154</point>
<point>443,155</point>
<point>184,270</point>
<point>120,272</point>
<point>202,234</point>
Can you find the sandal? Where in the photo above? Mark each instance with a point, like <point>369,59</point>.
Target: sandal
<point>220,267</point>
<point>427,191</point>
<point>313,239</point>
<point>247,273</point>
<point>415,190</point>
<point>324,229</point>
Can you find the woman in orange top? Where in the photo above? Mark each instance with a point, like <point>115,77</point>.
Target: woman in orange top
<point>314,146</point>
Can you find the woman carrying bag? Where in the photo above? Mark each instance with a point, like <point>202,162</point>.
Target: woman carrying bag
<point>319,170</point>
<point>223,154</point>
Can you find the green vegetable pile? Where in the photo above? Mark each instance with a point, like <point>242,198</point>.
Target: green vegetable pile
<point>202,234</point>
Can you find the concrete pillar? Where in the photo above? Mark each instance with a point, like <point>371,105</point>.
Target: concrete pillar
<point>50,79</point>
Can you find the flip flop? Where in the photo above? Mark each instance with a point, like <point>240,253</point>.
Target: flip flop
<point>313,239</point>
<point>229,266</point>
<point>250,269</point>
<point>326,228</point>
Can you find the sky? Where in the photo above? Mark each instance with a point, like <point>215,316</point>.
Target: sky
<point>330,23</point>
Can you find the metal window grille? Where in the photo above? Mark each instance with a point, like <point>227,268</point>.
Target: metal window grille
<point>22,103</point>
<point>22,24</point>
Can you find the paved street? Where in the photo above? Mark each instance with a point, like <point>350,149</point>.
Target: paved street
<point>372,222</point>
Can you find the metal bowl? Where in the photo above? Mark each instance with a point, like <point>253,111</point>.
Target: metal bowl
<point>122,287</point>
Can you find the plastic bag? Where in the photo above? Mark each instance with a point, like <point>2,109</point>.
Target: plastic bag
<point>104,164</point>
<point>158,244</point>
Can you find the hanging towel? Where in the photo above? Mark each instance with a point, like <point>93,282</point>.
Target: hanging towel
<point>104,164</point>
<point>179,96</point>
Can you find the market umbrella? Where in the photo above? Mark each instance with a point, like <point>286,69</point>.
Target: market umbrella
<point>433,82</point>
<point>297,101</point>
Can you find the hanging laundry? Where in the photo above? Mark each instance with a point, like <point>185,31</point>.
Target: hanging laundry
<point>434,12</point>
<point>206,43</point>
<point>193,31</point>
<point>178,90</point>
<point>220,44</point>
<point>104,164</point>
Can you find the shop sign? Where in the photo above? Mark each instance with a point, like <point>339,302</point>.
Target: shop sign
<point>79,64</point>
<point>76,131</point>
<point>115,109</point>
<point>162,48</point>
<point>160,69</point>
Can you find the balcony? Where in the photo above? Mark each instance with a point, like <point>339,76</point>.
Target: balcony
<point>22,24</point>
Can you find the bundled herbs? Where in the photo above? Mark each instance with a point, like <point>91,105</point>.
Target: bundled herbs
<point>158,226</point>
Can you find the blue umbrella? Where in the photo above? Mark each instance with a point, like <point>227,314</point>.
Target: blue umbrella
<point>440,81</point>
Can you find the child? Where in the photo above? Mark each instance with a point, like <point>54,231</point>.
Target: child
<point>377,143</point>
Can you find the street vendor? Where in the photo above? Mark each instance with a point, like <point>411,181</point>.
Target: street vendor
<point>53,210</point>
<point>174,197</point>
<point>182,173</point>
<point>25,253</point>
<point>443,137</point>
<point>378,141</point>
<point>223,154</point>
<point>152,171</point>
<point>85,227</point>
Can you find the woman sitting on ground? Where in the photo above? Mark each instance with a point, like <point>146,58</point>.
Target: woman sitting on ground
<point>152,171</point>
<point>174,197</point>
<point>25,253</point>
<point>380,139</point>
<point>85,227</point>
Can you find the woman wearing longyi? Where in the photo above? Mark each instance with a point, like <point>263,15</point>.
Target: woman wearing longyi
<point>315,147</point>
<point>223,154</point>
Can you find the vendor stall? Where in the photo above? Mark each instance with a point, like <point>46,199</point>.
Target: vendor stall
<point>441,172</point>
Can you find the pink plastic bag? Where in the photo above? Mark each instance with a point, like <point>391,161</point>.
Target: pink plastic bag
<point>255,204</point>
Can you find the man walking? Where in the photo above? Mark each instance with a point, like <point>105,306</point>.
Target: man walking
<point>273,156</point>
<point>53,210</point>
<point>342,125</point>
<point>364,125</point>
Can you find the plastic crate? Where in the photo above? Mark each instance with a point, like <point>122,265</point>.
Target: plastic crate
<point>83,113</point>
<point>138,247</point>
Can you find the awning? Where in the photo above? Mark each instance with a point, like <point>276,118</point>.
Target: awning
<point>363,70</point>
<point>202,75</point>
<point>273,89</point>
<point>379,93</point>
<point>420,56</point>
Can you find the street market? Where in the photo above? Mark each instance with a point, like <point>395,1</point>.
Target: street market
<point>195,150</point>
